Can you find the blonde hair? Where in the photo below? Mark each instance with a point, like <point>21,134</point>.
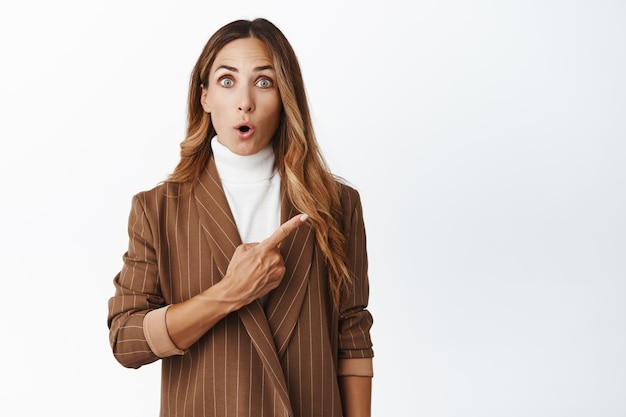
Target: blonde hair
<point>309,184</point>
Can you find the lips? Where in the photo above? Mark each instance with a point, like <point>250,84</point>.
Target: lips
<point>244,130</point>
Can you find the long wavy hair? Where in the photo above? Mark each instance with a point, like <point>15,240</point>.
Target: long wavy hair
<point>309,184</point>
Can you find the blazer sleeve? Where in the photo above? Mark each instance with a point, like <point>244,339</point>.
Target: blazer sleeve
<point>136,292</point>
<point>355,320</point>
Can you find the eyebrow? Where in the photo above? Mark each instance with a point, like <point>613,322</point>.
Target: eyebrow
<point>233,69</point>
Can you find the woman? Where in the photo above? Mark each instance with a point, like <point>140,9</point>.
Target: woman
<point>273,328</point>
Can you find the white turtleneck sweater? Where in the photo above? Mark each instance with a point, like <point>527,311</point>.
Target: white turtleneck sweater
<point>252,187</point>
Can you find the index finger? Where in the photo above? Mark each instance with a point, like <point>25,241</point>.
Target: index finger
<point>284,230</point>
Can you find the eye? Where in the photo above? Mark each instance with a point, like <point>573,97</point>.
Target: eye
<point>265,83</point>
<point>226,82</point>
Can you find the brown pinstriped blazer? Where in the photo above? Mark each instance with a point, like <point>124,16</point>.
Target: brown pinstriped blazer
<point>277,360</point>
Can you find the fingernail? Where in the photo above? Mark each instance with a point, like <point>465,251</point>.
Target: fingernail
<point>304,217</point>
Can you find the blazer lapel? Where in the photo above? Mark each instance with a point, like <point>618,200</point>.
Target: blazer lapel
<point>285,302</point>
<point>216,218</point>
<point>253,318</point>
<point>221,230</point>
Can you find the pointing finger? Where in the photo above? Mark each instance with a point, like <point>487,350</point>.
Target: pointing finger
<point>285,230</point>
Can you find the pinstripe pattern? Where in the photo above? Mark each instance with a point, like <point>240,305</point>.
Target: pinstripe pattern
<point>274,362</point>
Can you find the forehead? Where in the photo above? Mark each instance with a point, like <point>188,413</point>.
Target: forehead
<point>242,52</point>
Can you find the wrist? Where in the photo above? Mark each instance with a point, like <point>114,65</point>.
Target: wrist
<point>223,295</point>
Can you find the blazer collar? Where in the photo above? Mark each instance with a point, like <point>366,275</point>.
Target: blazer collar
<point>269,330</point>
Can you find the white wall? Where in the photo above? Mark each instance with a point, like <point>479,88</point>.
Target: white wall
<point>487,139</point>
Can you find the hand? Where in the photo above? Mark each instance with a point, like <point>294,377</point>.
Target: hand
<point>257,268</point>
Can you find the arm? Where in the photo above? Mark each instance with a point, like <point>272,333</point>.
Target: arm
<point>254,270</point>
<point>144,329</point>
<point>356,395</point>
<point>355,370</point>
<point>136,292</point>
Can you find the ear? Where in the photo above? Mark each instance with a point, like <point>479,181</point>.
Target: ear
<point>204,100</point>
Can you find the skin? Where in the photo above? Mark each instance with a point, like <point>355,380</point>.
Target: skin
<point>254,270</point>
<point>241,89</point>
<point>356,394</point>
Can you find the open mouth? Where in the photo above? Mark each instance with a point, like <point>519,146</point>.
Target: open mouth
<point>244,129</point>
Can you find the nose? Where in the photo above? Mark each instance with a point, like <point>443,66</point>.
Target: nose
<point>246,102</point>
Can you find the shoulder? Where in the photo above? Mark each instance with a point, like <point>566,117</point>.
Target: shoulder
<point>153,192</point>
<point>160,195</point>
<point>350,200</point>
<point>348,194</point>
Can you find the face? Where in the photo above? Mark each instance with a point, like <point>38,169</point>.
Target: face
<point>242,96</point>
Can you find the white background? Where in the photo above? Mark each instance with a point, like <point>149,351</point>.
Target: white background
<point>487,139</point>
